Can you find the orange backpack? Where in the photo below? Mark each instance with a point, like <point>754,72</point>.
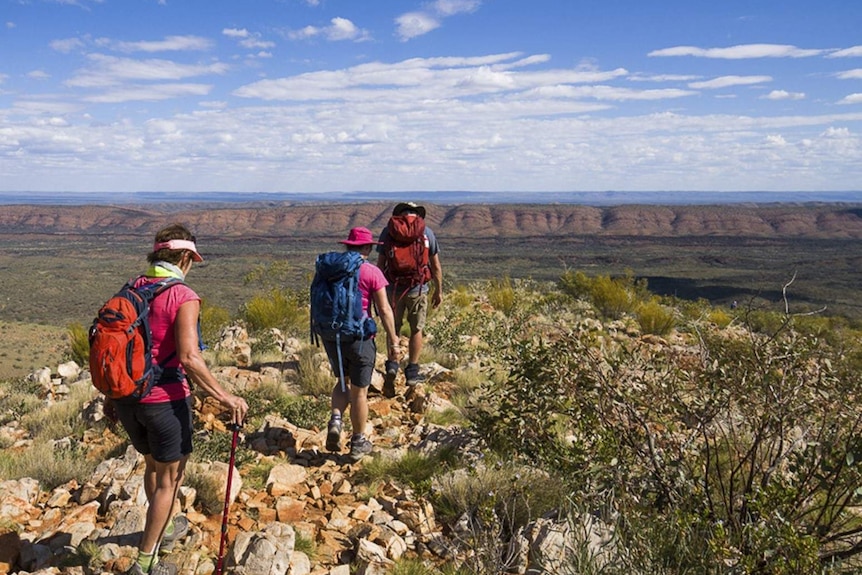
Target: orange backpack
<point>121,354</point>
<point>406,255</point>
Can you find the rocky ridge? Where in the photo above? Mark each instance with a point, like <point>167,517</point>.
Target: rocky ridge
<point>489,220</point>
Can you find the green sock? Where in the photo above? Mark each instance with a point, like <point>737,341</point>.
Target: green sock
<point>146,561</point>
<point>170,528</point>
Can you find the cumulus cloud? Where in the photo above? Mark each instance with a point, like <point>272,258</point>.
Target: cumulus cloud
<point>850,74</point>
<point>851,99</point>
<point>38,75</point>
<point>235,32</point>
<point>783,95</point>
<point>247,39</point>
<point>740,52</point>
<point>412,24</point>
<point>854,52</point>
<point>169,44</point>
<point>727,81</point>
<point>66,45</point>
<point>339,29</point>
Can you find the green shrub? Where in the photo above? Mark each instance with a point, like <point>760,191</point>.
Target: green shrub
<point>79,344</point>
<point>210,492</point>
<point>283,309</point>
<point>655,318</point>
<point>213,320</point>
<point>413,469</point>
<point>612,297</point>
<point>501,295</point>
<point>315,375</point>
<point>46,463</point>
<point>575,284</point>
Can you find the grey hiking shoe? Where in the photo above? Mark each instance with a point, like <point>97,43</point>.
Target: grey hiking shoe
<point>411,373</point>
<point>181,529</point>
<point>359,448</point>
<point>333,435</point>
<point>389,378</point>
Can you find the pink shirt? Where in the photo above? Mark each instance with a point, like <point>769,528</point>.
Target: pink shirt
<point>371,279</point>
<point>163,313</point>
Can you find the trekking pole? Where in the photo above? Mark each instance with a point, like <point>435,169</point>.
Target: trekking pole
<point>220,562</point>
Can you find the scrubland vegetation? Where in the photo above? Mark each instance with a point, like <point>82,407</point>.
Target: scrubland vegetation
<point>708,439</point>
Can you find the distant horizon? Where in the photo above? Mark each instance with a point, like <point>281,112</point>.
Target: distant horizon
<point>438,197</point>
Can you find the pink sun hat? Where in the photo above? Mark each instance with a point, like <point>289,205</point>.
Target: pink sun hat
<point>359,237</point>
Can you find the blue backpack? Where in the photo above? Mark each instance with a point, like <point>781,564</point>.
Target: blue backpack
<point>336,302</point>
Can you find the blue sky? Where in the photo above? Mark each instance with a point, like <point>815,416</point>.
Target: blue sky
<point>385,95</point>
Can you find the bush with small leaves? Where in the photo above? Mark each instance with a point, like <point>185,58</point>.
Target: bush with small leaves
<point>654,318</point>
<point>79,344</point>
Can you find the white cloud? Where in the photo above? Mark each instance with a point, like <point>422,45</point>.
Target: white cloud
<point>10,25</point>
<point>304,33</point>
<point>783,95</point>
<point>851,99</point>
<point>413,24</point>
<point>38,75</point>
<point>742,51</point>
<point>169,44</point>
<point>338,30</point>
<point>66,45</point>
<point>110,71</point>
<point>256,43</point>
<point>150,93</point>
<point>344,29</point>
<point>850,74</point>
<point>663,77</point>
<point>451,7</point>
<point>727,81</point>
<point>854,52</point>
<point>235,32</point>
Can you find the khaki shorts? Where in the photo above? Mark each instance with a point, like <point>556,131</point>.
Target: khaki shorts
<point>414,305</point>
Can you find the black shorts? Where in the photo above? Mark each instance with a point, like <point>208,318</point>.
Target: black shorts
<point>357,359</point>
<point>162,430</point>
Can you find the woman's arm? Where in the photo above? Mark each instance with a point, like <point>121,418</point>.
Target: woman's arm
<point>189,354</point>
<point>384,311</point>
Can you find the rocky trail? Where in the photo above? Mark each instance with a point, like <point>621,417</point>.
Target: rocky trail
<point>310,495</point>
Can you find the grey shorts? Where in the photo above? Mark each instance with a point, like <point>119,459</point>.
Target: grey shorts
<point>162,430</point>
<point>357,360</point>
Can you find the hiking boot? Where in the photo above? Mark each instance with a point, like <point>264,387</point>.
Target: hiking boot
<point>359,448</point>
<point>411,373</point>
<point>333,435</point>
<point>389,379</point>
<point>181,529</point>
<point>160,568</point>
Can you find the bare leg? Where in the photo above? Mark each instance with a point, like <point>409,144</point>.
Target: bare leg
<point>358,408</point>
<point>415,347</point>
<point>161,484</point>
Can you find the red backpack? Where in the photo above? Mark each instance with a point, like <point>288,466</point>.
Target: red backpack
<point>121,355</point>
<point>405,253</point>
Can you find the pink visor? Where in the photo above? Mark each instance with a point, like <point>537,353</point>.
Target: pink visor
<point>179,245</point>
